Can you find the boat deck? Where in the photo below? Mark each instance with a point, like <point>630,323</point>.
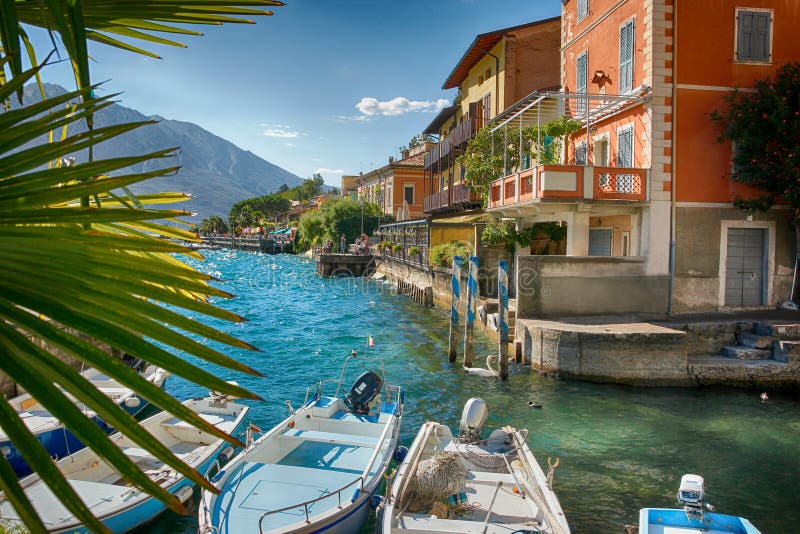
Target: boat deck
<point>313,469</point>
<point>510,512</point>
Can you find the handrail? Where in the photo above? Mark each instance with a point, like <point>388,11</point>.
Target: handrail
<point>412,464</point>
<point>389,426</point>
<point>306,503</point>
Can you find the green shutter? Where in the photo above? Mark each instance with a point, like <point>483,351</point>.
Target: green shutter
<point>761,36</point>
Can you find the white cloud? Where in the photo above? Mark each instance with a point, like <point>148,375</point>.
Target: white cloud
<point>397,106</point>
<point>283,134</point>
<point>326,171</point>
<point>353,118</point>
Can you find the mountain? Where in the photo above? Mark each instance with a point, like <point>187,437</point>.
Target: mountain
<point>216,172</point>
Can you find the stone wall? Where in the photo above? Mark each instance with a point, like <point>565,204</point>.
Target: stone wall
<point>568,286</point>
<point>637,354</point>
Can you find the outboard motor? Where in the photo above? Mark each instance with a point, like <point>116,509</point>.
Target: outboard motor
<point>363,393</point>
<point>691,495</point>
<point>472,419</point>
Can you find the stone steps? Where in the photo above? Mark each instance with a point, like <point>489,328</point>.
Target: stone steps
<point>776,342</point>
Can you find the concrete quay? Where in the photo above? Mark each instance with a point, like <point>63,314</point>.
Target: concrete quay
<point>743,349</point>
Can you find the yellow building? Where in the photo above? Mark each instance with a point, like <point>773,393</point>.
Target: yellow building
<point>497,69</point>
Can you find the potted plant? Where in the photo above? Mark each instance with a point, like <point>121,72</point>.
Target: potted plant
<point>413,250</point>
<point>397,248</point>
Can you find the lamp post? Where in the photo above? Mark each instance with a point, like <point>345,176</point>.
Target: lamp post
<point>361,181</point>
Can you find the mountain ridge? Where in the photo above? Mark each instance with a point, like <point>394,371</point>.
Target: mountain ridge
<point>215,171</point>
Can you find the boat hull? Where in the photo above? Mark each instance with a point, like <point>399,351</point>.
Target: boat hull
<point>275,466</point>
<point>59,442</point>
<point>674,521</point>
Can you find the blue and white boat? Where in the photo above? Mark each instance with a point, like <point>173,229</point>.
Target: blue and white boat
<point>696,517</point>
<point>51,433</point>
<point>317,470</point>
<point>118,504</point>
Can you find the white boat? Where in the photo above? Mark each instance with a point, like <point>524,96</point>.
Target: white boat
<point>317,470</point>
<point>696,517</point>
<point>465,485</point>
<point>117,503</point>
<point>51,433</point>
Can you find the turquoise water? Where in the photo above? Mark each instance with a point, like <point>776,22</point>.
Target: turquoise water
<point>620,448</point>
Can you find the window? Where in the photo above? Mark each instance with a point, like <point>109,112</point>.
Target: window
<point>583,9</point>
<point>487,74</point>
<point>487,105</point>
<point>626,38</point>
<point>480,79</point>
<point>580,154</point>
<point>624,182</point>
<point>601,152</point>
<point>753,35</point>
<point>581,79</point>
<point>625,147</point>
<point>408,194</point>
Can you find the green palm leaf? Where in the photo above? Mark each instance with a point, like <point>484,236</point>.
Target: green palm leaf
<point>59,273</point>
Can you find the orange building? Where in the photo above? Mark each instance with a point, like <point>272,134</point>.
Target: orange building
<point>397,187</point>
<point>644,185</point>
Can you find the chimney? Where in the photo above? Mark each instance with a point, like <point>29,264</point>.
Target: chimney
<point>391,159</point>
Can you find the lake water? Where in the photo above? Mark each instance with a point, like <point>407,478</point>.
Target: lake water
<point>621,448</point>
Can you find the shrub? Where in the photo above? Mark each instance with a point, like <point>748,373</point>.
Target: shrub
<point>413,251</point>
<point>441,255</point>
<point>397,247</point>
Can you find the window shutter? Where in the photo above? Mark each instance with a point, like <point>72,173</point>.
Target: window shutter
<point>581,80</point>
<point>626,57</point>
<point>487,106</point>
<point>761,36</point>
<point>473,111</point>
<point>744,50</point>
<point>625,149</point>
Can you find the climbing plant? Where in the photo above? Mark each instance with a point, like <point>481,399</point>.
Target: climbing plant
<point>485,160</point>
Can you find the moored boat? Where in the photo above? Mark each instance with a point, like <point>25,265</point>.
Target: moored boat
<point>695,517</point>
<point>51,433</point>
<point>464,484</point>
<point>118,504</point>
<point>317,470</point>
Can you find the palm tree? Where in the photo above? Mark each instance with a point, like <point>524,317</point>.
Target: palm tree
<point>80,259</point>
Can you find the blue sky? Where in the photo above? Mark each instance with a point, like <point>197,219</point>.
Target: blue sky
<point>321,86</point>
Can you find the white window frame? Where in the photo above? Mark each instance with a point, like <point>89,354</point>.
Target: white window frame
<point>736,35</point>
<point>633,54</point>
<point>596,140</point>
<point>582,13</point>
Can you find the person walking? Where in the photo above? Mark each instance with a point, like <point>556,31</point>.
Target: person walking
<point>343,244</point>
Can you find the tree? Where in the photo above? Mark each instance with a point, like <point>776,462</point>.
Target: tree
<point>283,188</point>
<point>213,225</point>
<point>80,262</point>
<point>310,187</point>
<point>337,217</point>
<point>764,126</point>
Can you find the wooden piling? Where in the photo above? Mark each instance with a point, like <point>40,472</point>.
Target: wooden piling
<point>502,324</point>
<point>456,282</point>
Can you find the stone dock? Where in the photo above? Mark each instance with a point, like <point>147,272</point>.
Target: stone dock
<point>732,351</point>
<point>751,349</point>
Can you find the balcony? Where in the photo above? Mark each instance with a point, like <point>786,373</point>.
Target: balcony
<point>454,142</point>
<point>570,182</point>
<point>452,199</point>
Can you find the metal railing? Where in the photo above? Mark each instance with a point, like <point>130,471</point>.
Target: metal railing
<point>306,504</point>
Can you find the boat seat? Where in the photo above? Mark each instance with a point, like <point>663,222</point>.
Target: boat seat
<point>331,437</point>
<point>136,453</point>
<point>483,477</point>
<point>429,524</point>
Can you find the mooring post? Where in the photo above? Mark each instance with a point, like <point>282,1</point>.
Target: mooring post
<point>502,307</point>
<point>451,353</point>
<point>472,294</point>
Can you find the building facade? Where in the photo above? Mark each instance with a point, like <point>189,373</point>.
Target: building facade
<point>497,69</point>
<point>397,187</point>
<point>644,186</point>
